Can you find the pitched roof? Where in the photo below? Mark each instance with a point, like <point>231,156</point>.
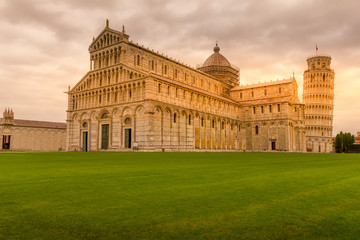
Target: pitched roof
<point>41,124</point>
<point>264,101</point>
<point>263,84</point>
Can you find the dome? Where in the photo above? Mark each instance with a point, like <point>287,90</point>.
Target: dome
<point>216,59</point>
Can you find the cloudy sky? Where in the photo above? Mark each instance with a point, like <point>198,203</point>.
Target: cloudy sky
<point>44,44</point>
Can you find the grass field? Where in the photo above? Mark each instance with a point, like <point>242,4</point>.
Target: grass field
<point>179,196</point>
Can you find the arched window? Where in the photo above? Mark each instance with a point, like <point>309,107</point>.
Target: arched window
<point>324,77</point>
<point>189,119</point>
<point>252,93</point>
<point>256,130</point>
<point>138,60</point>
<point>152,65</point>
<point>202,121</point>
<point>130,93</point>
<point>174,117</point>
<point>159,88</point>
<point>165,69</point>
<point>213,123</point>
<point>222,125</point>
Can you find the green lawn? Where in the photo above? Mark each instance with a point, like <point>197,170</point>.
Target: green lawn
<point>100,195</point>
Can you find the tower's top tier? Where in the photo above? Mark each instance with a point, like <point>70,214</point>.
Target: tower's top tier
<point>319,62</point>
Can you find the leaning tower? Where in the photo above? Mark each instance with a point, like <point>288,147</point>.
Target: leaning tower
<point>318,98</point>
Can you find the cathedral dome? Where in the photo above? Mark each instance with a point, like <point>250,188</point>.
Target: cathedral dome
<point>216,59</point>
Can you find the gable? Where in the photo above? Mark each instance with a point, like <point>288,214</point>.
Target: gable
<point>107,38</point>
<point>89,81</point>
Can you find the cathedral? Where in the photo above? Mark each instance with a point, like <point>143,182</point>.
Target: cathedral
<point>134,98</point>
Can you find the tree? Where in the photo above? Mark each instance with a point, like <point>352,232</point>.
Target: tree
<point>338,143</point>
<point>345,143</point>
<point>342,142</point>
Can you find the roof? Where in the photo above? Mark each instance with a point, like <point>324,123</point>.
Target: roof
<point>263,84</point>
<point>41,124</point>
<point>272,101</point>
<point>216,59</point>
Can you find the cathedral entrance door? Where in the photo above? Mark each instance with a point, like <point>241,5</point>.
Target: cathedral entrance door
<point>6,142</point>
<point>273,145</point>
<point>104,136</point>
<point>128,138</point>
<point>85,141</point>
